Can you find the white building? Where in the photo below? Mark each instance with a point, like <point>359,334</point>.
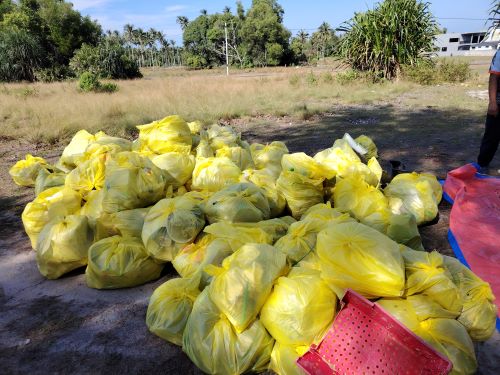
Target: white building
<point>479,43</point>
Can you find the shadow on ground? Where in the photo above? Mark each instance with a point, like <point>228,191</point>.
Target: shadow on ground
<point>425,139</point>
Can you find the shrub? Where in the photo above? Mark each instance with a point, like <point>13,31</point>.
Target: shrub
<point>327,77</point>
<point>89,82</point>
<point>347,77</point>
<point>311,79</point>
<point>454,71</point>
<point>108,87</point>
<point>423,74</point>
<point>106,60</point>
<point>445,71</point>
<point>20,55</point>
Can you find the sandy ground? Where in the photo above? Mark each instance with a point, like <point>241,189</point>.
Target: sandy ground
<point>63,327</point>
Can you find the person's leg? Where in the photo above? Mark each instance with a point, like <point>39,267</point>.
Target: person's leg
<point>489,144</point>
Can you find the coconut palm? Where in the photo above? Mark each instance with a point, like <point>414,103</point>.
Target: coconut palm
<point>182,21</point>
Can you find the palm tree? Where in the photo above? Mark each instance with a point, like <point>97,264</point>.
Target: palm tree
<point>182,21</point>
<point>128,36</point>
<point>303,35</point>
<point>226,10</point>
<point>325,33</point>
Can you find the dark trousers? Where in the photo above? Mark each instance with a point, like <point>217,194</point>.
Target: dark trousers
<point>489,144</point>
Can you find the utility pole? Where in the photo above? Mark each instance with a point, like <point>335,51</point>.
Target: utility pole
<point>227,55</point>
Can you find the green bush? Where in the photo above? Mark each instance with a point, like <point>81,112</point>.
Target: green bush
<point>20,55</point>
<point>106,60</point>
<point>88,82</point>
<point>446,71</point>
<point>454,71</point>
<point>108,87</point>
<point>423,74</point>
<point>311,79</point>
<point>347,77</point>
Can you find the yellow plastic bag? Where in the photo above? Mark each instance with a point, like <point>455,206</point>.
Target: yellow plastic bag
<point>238,155</point>
<point>238,234</point>
<point>300,192</point>
<point>402,310</point>
<point>338,157</point>
<point>51,204</point>
<point>238,203</point>
<point>75,150</point>
<point>119,262</point>
<point>323,211</point>
<point>211,342</point>
<point>284,360</point>
<point>63,245</point>
<point>450,338</point>
<point>418,196</point>
<point>195,127</point>
<point>479,313</point>
<point>88,175</point>
<point>214,174</point>
<point>170,224</point>
<point>426,308</point>
<point>47,179</point>
<point>128,223</point>
<point>169,308</point>
<point>300,309</point>
<point>179,167</point>
<point>132,181</point>
<point>358,257</point>
<point>171,134</point>
<point>403,229</point>
<point>25,172</point>
<point>193,258</point>
<point>244,282</point>
<point>222,136</point>
<point>265,180</point>
<point>268,156</point>
<point>300,239</point>
<point>357,197</point>
<point>426,274</point>
<point>306,166</point>
<point>203,149</point>
<point>92,207</point>
<point>368,144</point>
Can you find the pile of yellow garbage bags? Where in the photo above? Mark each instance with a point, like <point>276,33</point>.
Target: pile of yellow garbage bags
<point>265,241</point>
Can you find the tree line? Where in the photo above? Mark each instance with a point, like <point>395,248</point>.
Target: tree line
<point>256,37</point>
<point>48,40</point>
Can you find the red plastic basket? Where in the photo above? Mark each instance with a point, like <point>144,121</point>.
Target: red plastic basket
<point>365,339</point>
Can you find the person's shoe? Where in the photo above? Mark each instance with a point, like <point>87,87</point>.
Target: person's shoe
<point>483,170</point>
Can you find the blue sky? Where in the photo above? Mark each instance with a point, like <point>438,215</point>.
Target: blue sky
<point>113,14</point>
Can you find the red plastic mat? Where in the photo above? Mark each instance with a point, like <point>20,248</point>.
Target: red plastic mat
<point>365,339</point>
<point>475,222</point>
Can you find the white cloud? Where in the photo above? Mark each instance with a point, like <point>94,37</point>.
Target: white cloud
<point>89,4</point>
<point>175,8</point>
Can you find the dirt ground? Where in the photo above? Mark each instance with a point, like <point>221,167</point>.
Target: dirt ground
<point>63,327</point>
